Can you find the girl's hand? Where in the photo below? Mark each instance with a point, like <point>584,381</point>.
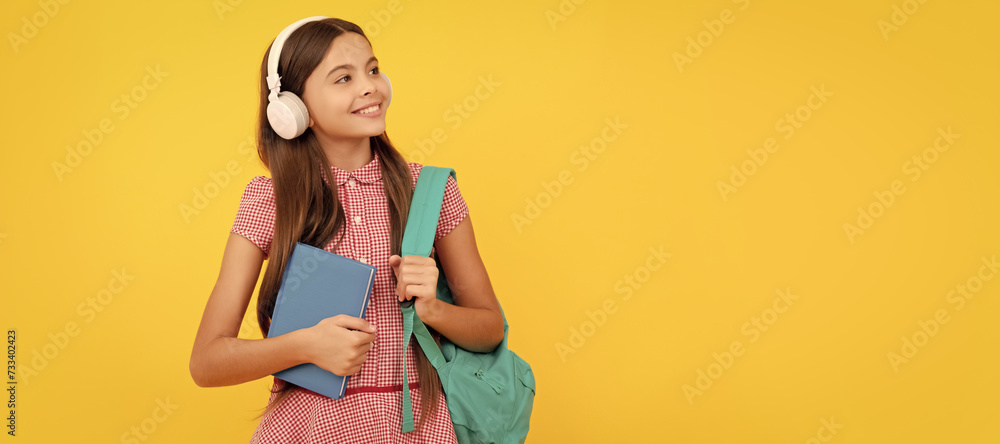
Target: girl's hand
<point>416,277</point>
<point>340,344</point>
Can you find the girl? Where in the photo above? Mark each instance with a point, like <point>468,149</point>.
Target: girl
<point>341,185</point>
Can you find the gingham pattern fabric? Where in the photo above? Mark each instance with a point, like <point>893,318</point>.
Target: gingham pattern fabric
<point>370,411</point>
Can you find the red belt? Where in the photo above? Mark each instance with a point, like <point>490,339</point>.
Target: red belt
<point>386,389</point>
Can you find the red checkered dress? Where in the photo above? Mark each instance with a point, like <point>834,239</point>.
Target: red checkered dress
<point>370,411</point>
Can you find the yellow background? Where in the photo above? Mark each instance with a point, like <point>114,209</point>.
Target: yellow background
<point>563,69</point>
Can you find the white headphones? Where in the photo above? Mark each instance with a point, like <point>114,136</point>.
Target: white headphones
<point>286,112</point>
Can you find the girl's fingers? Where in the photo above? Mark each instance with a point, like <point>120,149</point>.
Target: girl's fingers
<point>416,272</point>
<point>417,290</point>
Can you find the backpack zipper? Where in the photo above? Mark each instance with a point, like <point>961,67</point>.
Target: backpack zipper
<point>495,384</point>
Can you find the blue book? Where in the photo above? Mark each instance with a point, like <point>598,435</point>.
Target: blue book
<point>318,284</point>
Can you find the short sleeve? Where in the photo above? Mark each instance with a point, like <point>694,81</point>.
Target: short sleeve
<point>453,209</point>
<point>255,215</point>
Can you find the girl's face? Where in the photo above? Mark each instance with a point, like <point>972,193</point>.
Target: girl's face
<point>345,83</point>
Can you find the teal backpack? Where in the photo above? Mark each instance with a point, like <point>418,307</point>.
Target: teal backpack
<point>489,395</point>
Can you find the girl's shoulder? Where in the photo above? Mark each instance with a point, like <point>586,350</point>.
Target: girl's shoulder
<point>414,172</point>
<point>262,181</point>
<point>415,168</point>
<point>256,213</point>
<point>259,190</point>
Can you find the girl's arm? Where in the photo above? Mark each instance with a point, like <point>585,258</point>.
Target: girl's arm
<point>475,322</point>
<point>219,358</point>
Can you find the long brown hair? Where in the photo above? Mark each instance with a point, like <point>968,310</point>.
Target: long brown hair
<point>307,206</point>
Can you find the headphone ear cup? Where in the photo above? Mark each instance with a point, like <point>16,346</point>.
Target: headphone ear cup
<point>387,82</point>
<point>287,115</point>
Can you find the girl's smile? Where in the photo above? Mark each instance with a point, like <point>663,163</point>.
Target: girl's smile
<point>370,111</point>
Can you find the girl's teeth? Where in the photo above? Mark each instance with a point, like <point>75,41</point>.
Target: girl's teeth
<point>369,110</point>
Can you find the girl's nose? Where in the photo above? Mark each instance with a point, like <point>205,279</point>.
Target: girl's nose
<point>370,87</point>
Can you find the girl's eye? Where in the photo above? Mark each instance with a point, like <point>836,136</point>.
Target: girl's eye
<point>347,77</point>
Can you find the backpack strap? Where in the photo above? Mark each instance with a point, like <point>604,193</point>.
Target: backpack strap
<point>418,239</point>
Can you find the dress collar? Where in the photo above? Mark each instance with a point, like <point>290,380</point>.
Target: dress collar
<point>370,173</point>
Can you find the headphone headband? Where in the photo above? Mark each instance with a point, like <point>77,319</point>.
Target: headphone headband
<point>273,80</point>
